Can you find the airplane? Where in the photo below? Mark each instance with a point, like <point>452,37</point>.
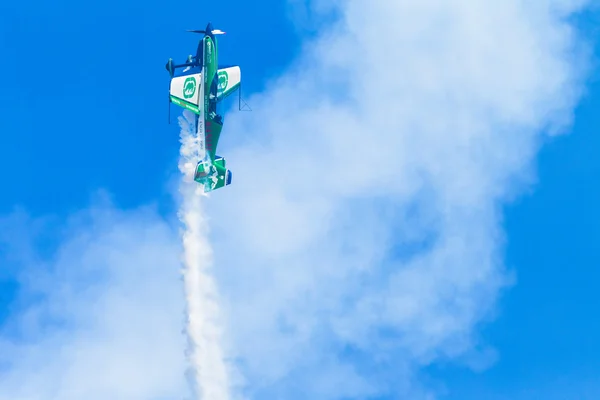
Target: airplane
<point>199,87</point>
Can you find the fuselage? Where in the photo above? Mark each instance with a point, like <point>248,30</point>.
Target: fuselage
<point>198,89</point>
<point>209,76</point>
<point>208,122</point>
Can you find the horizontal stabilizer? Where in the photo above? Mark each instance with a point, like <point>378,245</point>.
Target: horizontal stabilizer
<point>213,176</point>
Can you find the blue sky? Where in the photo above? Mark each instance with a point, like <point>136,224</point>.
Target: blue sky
<point>101,65</point>
<point>84,109</point>
<point>545,331</point>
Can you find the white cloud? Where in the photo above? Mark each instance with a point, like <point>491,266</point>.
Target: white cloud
<point>103,317</point>
<point>361,238</point>
<point>366,207</point>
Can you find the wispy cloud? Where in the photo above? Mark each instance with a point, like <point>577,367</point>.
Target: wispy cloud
<point>362,236</point>
<point>365,214</point>
<point>103,317</point>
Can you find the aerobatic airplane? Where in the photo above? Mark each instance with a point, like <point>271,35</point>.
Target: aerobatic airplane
<point>199,87</point>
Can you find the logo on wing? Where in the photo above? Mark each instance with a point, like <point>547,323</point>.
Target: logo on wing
<point>189,87</point>
<point>223,81</point>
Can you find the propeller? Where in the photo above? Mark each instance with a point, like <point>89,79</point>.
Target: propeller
<point>214,31</point>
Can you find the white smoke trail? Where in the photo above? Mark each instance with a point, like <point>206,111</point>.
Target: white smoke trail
<point>205,353</point>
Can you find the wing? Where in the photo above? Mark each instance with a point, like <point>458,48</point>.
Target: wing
<point>229,80</point>
<point>185,91</point>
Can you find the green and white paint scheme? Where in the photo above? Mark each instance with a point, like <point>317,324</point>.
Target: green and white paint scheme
<point>229,80</point>
<point>185,91</point>
<point>199,88</point>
